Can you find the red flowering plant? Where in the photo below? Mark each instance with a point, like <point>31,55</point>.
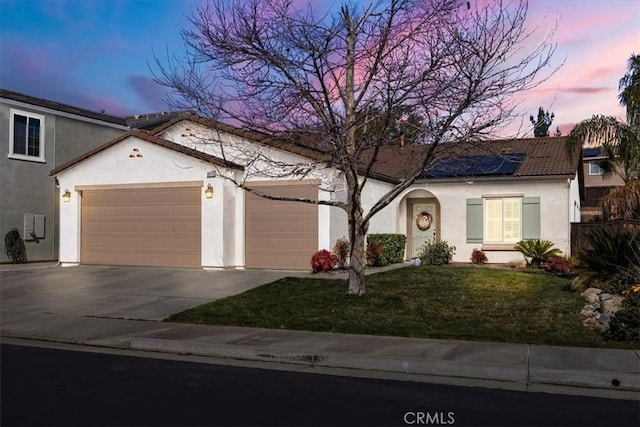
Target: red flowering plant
<point>478,257</point>
<point>323,261</point>
<point>557,265</point>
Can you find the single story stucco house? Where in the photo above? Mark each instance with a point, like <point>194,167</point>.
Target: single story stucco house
<point>164,198</point>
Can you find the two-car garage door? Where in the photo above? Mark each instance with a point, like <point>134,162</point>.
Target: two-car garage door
<point>161,226</point>
<point>154,226</point>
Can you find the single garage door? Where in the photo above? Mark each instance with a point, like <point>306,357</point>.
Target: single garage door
<point>142,227</point>
<point>281,235</point>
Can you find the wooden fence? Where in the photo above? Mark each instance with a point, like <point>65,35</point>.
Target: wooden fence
<point>579,230</point>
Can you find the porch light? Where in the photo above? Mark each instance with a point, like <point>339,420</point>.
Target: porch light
<point>209,192</point>
<point>66,196</point>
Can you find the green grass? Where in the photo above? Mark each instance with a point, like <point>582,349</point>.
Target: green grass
<point>465,303</point>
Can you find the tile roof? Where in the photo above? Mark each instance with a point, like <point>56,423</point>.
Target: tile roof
<point>154,139</point>
<point>15,96</point>
<point>543,157</point>
<point>151,121</point>
<point>292,145</point>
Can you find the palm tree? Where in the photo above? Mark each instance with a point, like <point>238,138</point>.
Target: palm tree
<point>630,90</point>
<point>620,144</point>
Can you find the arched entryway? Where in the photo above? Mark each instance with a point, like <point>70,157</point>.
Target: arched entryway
<point>422,218</point>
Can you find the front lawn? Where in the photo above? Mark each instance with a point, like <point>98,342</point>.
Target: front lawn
<point>464,303</point>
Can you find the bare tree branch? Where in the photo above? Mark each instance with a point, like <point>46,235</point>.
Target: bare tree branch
<point>338,82</point>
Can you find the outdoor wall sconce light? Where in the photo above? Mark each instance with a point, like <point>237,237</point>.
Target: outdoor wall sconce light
<point>66,196</point>
<point>209,192</point>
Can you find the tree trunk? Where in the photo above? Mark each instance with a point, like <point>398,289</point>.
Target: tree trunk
<point>357,235</point>
<point>358,262</point>
<point>357,226</point>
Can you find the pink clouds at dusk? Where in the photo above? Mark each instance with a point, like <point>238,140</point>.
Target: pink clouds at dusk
<point>95,54</point>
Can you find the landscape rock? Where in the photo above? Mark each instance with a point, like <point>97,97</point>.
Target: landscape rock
<point>605,297</point>
<point>591,297</point>
<point>601,307</point>
<point>588,311</point>
<point>612,305</point>
<point>603,321</point>
<point>591,291</point>
<point>590,323</point>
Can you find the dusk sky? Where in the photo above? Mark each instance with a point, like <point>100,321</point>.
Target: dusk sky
<point>95,53</point>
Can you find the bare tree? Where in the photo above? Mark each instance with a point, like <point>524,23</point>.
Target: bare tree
<point>340,80</point>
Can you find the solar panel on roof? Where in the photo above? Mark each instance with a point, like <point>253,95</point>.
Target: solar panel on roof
<point>483,165</point>
<point>591,152</point>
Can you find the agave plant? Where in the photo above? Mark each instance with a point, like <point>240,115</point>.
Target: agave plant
<point>536,251</point>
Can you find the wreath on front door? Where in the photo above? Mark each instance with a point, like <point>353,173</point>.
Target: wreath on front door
<point>424,220</point>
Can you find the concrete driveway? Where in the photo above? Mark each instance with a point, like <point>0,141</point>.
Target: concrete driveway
<point>120,292</point>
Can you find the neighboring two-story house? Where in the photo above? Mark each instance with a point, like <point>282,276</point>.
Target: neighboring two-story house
<point>36,135</point>
<point>596,184</point>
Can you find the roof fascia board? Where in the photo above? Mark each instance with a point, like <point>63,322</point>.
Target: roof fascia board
<point>471,179</point>
<point>63,113</point>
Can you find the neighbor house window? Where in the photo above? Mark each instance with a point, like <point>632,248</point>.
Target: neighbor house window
<point>503,220</point>
<point>595,169</point>
<point>26,136</point>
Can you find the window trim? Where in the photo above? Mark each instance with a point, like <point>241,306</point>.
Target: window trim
<point>599,168</point>
<point>17,156</point>
<point>502,243</point>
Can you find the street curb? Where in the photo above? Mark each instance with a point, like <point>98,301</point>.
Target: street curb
<point>513,378</point>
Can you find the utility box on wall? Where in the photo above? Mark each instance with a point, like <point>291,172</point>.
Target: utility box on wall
<point>34,227</point>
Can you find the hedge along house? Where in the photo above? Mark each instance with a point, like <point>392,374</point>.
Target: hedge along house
<point>161,198</point>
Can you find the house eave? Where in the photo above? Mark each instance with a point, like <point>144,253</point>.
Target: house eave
<point>472,179</point>
<point>116,123</point>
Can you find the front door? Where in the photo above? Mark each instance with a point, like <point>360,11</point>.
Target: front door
<point>422,223</point>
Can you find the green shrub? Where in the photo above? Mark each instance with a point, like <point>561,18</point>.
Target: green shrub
<point>610,251</point>
<point>618,283</point>
<point>536,251</point>
<point>391,247</point>
<point>625,324</point>
<point>436,253</point>
<point>341,250</point>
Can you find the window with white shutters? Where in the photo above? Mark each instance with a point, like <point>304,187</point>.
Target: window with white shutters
<point>503,220</point>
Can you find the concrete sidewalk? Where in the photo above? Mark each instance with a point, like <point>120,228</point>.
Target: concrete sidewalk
<point>581,371</point>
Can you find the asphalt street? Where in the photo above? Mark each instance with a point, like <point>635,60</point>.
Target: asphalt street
<point>41,386</point>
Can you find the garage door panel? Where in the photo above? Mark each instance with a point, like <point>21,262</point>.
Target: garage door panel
<point>156,244</point>
<point>142,227</point>
<point>186,211</point>
<point>155,227</point>
<point>95,197</point>
<point>120,211</point>
<point>279,234</point>
<point>126,197</point>
<point>184,227</point>
<point>155,211</point>
<point>185,196</point>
